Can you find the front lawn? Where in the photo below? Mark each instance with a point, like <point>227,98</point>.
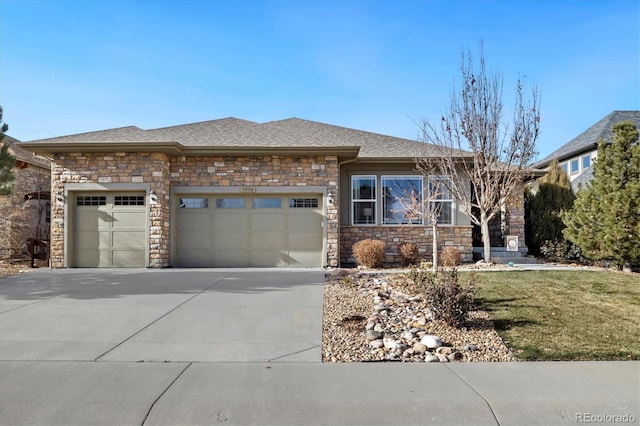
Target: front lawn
<point>564,315</point>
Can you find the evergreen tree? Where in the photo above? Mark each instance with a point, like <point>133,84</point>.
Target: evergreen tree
<point>7,162</point>
<point>547,206</point>
<point>605,219</point>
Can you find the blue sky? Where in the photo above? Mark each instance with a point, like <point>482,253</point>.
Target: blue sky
<point>74,66</point>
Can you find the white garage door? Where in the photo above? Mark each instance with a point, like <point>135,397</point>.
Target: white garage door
<point>238,231</point>
<point>109,230</point>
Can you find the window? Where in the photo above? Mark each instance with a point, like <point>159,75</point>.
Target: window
<point>267,203</point>
<point>303,203</point>
<point>402,200</point>
<point>194,203</point>
<point>129,200</point>
<point>441,200</point>
<point>575,166</point>
<point>363,196</point>
<point>565,167</point>
<point>586,162</point>
<point>230,203</point>
<point>91,200</point>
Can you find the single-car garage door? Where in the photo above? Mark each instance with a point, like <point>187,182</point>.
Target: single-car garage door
<point>258,230</point>
<point>109,230</point>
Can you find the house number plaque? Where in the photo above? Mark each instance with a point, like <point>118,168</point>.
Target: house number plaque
<point>248,189</point>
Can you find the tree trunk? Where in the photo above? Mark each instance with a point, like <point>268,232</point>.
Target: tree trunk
<point>434,247</point>
<point>486,239</point>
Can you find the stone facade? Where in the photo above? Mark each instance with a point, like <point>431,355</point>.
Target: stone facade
<point>20,219</point>
<point>456,236</point>
<point>109,168</point>
<point>510,222</point>
<point>163,172</point>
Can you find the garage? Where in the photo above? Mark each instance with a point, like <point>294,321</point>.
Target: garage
<point>110,229</point>
<point>249,230</point>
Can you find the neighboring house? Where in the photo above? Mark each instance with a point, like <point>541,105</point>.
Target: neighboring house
<point>577,156</point>
<point>25,213</point>
<point>234,193</point>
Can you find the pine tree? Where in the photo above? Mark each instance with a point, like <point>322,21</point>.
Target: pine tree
<point>552,200</point>
<point>605,219</point>
<point>7,162</point>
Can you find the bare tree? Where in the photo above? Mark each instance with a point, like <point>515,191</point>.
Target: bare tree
<point>483,154</point>
<point>422,205</point>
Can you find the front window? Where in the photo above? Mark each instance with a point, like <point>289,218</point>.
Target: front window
<point>402,200</point>
<point>440,200</point>
<point>363,196</point>
<point>586,162</point>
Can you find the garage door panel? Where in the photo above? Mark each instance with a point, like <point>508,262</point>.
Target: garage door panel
<point>267,258</point>
<point>230,240</point>
<point>93,258</point>
<point>128,258</point>
<point>305,240</point>
<point>128,219</point>
<point>231,222</point>
<point>268,220</point>
<point>129,239</point>
<point>231,258</point>
<point>299,257</point>
<point>194,257</point>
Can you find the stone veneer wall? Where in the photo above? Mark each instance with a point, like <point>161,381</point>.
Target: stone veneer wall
<point>457,236</point>
<point>268,170</point>
<point>514,220</point>
<point>120,167</point>
<point>18,219</point>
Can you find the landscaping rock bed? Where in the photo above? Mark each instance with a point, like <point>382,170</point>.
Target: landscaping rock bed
<point>367,317</point>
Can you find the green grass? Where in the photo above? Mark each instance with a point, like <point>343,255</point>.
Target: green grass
<point>564,315</point>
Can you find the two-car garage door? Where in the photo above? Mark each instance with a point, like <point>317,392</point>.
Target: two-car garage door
<point>252,230</point>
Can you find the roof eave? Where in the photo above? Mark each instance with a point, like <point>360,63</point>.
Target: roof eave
<point>176,148</point>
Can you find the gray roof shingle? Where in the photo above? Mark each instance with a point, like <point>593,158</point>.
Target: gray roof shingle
<point>588,139</point>
<point>233,132</point>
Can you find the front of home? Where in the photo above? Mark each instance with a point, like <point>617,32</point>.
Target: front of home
<point>234,193</point>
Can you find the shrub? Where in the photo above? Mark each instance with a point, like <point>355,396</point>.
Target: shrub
<point>451,256</point>
<point>561,251</point>
<point>369,253</point>
<point>445,297</point>
<point>408,252</point>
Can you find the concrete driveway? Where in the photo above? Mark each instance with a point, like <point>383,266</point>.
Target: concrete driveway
<point>190,315</point>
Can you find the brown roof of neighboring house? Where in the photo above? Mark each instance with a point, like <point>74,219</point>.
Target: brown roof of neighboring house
<point>22,154</point>
<point>246,136</point>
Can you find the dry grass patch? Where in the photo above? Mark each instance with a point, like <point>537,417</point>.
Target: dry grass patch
<point>564,315</point>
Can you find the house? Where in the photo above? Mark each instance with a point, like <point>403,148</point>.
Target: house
<point>25,212</point>
<point>235,193</point>
<point>576,157</point>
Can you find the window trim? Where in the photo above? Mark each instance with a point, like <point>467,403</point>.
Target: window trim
<point>373,200</point>
<point>588,158</point>
<point>420,220</point>
<point>577,161</point>
<point>451,201</point>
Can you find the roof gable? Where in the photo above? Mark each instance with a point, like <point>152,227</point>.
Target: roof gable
<point>22,154</point>
<point>588,139</point>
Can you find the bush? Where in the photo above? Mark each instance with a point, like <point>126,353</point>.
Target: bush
<point>445,297</point>
<point>451,256</point>
<point>408,252</point>
<point>561,251</point>
<point>369,253</point>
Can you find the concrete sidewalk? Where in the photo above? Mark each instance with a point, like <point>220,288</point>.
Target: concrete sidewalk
<point>109,393</point>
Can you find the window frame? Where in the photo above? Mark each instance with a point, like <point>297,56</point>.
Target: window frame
<point>413,222</point>
<point>577,162</point>
<point>373,200</point>
<point>444,201</point>
<point>588,159</point>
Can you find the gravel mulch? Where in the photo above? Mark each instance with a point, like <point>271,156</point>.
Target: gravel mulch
<point>17,266</point>
<point>349,305</point>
